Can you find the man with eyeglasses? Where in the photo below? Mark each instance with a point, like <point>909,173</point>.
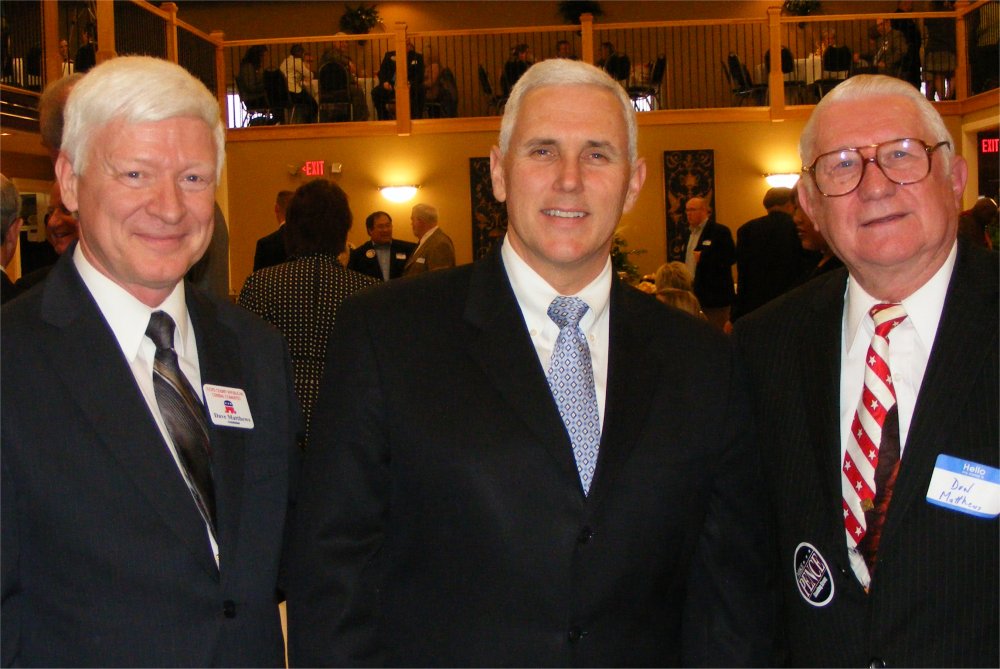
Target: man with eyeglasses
<point>876,399</point>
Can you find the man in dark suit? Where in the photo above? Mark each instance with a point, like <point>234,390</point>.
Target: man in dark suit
<point>381,256</point>
<point>270,249</point>
<point>143,527</point>
<point>710,255</point>
<point>10,228</point>
<point>449,518</point>
<point>886,500</point>
<point>435,249</point>
<point>769,257</point>
<point>385,92</point>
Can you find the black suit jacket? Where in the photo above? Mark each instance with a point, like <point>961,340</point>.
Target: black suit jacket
<point>8,289</point>
<point>934,596</point>
<point>769,261</point>
<point>443,522</point>
<point>399,253</point>
<point>713,276</point>
<point>105,559</point>
<point>270,250</point>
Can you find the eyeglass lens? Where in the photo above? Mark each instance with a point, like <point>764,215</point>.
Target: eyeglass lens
<point>903,161</point>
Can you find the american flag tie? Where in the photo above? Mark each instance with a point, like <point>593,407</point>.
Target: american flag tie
<point>861,460</point>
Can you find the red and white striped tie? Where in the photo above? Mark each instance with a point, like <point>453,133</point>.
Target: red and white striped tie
<point>877,398</point>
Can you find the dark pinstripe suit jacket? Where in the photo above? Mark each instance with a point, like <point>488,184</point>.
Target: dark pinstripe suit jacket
<point>934,598</point>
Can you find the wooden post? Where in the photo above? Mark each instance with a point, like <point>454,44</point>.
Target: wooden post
<point>960,80</point>
<point>170,26</point>
<point>776,79</point>
<point>587,37</point>
<point>50,41</point>
<point>404,121</point>
<point>105,30</point>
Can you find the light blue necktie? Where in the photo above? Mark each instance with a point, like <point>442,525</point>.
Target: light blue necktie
<point>571,379</point>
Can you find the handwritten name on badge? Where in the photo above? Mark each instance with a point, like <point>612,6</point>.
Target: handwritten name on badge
<point>965,486</point>
<point>228,407</point>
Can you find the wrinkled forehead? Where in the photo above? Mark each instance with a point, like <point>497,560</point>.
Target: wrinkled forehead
<point>866,121</point>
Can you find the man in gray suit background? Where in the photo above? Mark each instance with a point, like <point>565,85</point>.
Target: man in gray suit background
<point>434,247</point>
<point>144,527</point>
<point>876,399</point>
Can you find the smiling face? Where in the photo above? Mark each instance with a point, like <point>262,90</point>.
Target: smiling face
<point>145,202</point>
<point>566,179</point>
<point>893,238</point>
<point>381,231</point>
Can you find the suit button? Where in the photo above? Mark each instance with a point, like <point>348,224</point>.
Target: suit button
<point>575,634</point>
<point>877,663</point>
<point>586,534</point>
<point>229,608</point>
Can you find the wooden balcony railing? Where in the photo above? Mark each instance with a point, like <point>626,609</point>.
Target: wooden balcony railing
<point>772,66</point>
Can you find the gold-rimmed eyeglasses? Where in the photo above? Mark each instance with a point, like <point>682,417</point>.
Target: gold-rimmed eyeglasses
<point>902,161</point>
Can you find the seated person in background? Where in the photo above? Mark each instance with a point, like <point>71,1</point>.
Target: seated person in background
<point>681,299</point>
<point>386,90</point>
<point>813,241</point>
<point>250,80</point>
<point>975,224</point>
<point>441,92</point>
<point>301,297</point>
<point>565,50</point>
<point>614,63</point>
<point>520,60</point>
<point>303,89</point>
<point>337,53</point>
<point>674,274</point>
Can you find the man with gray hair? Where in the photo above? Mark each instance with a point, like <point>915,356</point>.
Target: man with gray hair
<point>435,249</point>
<point>517,473</point>
<point>144,526</point>
<point>876,399</point>
<point>10,228</point>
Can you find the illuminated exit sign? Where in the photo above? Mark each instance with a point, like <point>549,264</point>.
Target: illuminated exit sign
<point>990,145</point>
<point>313,168</point>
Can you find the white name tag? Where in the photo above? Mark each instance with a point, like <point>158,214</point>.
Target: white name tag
<point>966,486</point>
<point>228,407</point>
<point>421,260</point>
<point>400,256</point>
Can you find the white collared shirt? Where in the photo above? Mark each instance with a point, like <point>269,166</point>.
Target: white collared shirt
<point>693,240</point>
<point>128,319</point>
<point>420,242</point>
<point>534,295</point>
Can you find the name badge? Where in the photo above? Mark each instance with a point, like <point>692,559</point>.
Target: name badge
<point>228,407</point>
<point>370,253</point>
<point>421,260</point>
<point>965,486</point>
<point>400,255</point>
<point>707,242</point>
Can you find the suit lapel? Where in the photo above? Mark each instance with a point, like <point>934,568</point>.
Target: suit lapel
<point>966,334</point>
<point>218,358</point>
<point>633,368</point>
<point>87,358</point>
<point>505,353</point>
<point>819,352</point>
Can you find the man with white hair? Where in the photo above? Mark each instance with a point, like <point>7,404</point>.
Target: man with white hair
<point>435,249</point>
<point>517,473</point>
<point>876,399</point>
<point>143,525</point>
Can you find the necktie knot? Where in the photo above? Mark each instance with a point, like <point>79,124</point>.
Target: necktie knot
<point>887,316</point>
<point>161,330</point>
<point>567,311</point>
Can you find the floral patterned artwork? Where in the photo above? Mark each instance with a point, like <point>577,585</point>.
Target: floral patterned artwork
<point>489,217</point>
<point>686,174</point>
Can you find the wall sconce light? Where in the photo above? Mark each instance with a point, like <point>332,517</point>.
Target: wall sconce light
<point>398,193</point>
<point>782,180</point>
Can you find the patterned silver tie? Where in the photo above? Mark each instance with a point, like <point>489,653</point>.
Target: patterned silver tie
<point>184,416</point>
<point>571,379</point>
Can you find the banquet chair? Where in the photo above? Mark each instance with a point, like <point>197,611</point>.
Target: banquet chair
<point>334,93</point>
<point>649,88</point>
<point>837,63</point>
<point>740,83</point>
<point>797,87</point>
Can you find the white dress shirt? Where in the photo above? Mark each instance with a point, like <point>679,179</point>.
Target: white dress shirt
<point>534,295</point>
<point>910,347</point>
<point>128,319</point>
<point>693,240</point>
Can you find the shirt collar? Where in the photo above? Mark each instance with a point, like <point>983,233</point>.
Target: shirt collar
<point>923,307</point>
<point>428,234</point>
<point>127,316</point>
<point>534,294</point>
